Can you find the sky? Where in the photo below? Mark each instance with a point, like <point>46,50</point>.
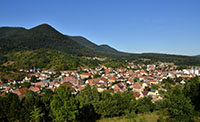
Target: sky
<point>136,26</point>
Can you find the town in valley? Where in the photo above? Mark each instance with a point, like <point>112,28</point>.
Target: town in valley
<point>141,79</point>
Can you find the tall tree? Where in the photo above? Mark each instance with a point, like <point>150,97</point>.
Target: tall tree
<point>179,106</point>
<point>192,90</point>
<point>64,106</point>
<point>36,114</point>
<point>47,95</point>
<point>87,98</point>
<point>28,102</point>
<point>9,107</point>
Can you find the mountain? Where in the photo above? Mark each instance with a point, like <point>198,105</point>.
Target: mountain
<point>42,36</point>
<point>197,55</point>
<point>17,39</point>
<point>99,48</point>
<point>8,31</point>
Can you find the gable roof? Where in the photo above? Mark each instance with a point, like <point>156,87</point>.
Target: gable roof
<point>87,74</point>
<point>136,94</point>
<point>145,93</point>
<point>20,92</point>
<point>136,85</point>
<point>34,89</point>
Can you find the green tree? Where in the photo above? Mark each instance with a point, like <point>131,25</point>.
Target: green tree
<point>33,79</point>
<point>47,95</point>
<point>89,95</point>
<point>145,105</point>
<point>28,102</point>
<point>107,106</point>
<point>96,76</point>
<point>87,98</point>
<point>36,114</point>
<point>26,84</point>
<point>64,106</point>
<point>192,90</point>
<point>179,106</point>
<point>9,107</point>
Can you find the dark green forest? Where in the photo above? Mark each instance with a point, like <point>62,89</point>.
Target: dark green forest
<point>45,47</point>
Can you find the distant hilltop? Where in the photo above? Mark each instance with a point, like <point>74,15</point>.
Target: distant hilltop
<point>44,36</point>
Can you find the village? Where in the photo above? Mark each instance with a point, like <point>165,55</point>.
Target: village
<point>143,80</point>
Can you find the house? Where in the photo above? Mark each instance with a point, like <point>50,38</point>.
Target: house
<point>64,73</point>
<point>42,84</point>
<point>137,87</point>
<point>54,84</point>
<point>103,80</point>
<point>27,78</point>
<point>154,92</point>
<point>156,98</point>
<point>145,93</point>
<point>153,82</point>
<point>142,77</point>
<point>1,82</point>
<point>93,81</point>
<point>2,94</point>
<point>71,79</point>
<point>130,81</point>
<point>112,79</point>
<point>101,88</point>
<point>35,89</point>
<point>7,89</point>
<point>137,95</point>
<point>67,83</point>
<point>182,82</point>
<point>20,92</point>
<point>85,75</point>
<point>116,88</point>
<point>144,85</point>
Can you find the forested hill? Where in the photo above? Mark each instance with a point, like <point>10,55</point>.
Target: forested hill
<point>99,48</point>
<point>17,39</point>
<point>42,36</point>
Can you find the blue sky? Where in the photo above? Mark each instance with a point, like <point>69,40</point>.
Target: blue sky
<point>137,26</point>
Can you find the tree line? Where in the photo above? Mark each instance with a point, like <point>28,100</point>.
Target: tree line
<point>180,103</point>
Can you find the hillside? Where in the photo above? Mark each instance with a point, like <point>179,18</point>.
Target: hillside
<point>99,48</point>
<point>8,31</point>
<point>17,39</point>
<point>42,36</point>
<point>45,59</point>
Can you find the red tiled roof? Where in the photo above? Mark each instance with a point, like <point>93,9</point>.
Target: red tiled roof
<point>113,78</point>
<point>20,92</point>
<point>67,83</point>
<point>137,94</point>
<point>105,80</point>
<point>7,88</point>
<point>2,94</point>
<point>69,78</point>
<point>136,85</point>
<point>40,83</point>
<point>145,93</point>
<point>34,89</point>
<point>85,73</point>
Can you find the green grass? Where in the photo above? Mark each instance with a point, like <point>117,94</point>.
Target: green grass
<point>147,117</point>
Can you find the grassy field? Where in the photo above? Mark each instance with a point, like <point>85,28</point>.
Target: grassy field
<point>148,117</point>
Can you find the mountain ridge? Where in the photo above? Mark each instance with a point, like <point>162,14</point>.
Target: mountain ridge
<point>41,36</point>
<point>45,36</point>
<point>99,48</point>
